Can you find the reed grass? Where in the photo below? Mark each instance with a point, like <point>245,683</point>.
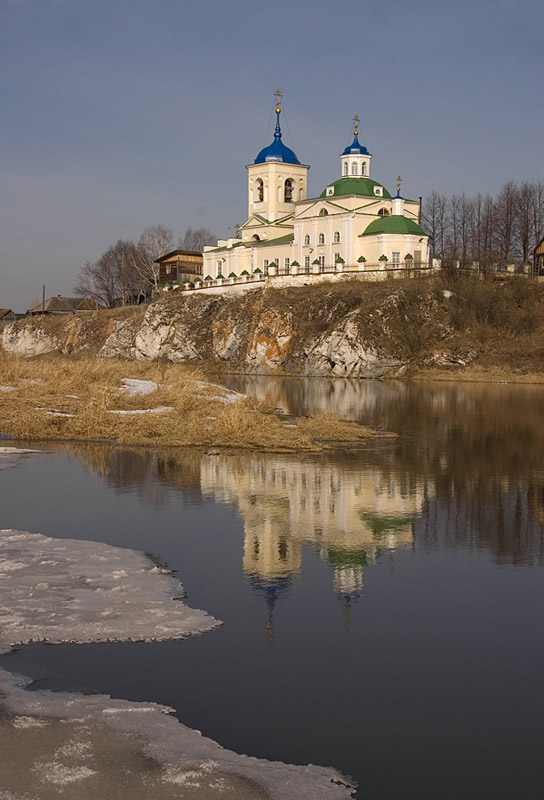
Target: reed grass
<point>58,397</point>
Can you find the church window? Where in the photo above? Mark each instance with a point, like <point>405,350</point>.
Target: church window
<point>321,260</point>
<point>306,263</point>
<point>323,213</point>
<point>287,264</point>
<point>255,238</point>
<point>265,263</point>
<point>288,191</point>
<point>383,212</point>
<point>395,257</point>
<point>283,550</point>
<point>306,240</point>
<point>354,170</point>
<point>336,238</point>
<point>378,191</point>
<point>260,191</point>
<point>363,168</point>
<point>321,239</point>
<point>346,167</point>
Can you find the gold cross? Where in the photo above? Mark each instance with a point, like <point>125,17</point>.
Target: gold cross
<point>356,121</point>
<point>278,100</point>
<point>399,181</point>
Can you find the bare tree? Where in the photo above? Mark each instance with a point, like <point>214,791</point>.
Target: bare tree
<point>99,281</point>
<point>506,207</point>
<point>196,239</point>
<point>154,242</point>
<point>113,279</point>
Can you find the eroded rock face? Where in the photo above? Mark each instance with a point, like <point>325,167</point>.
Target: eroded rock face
<point>28,340</point>
<point>268,344</point>
<point>343,352</point>
<point>330,332</point>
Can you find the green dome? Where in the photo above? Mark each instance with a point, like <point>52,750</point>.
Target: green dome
<point>393,224</point>
<point>360,186</point>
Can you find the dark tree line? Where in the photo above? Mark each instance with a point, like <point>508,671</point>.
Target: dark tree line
<point>126,272</point>
<point>485,230</point>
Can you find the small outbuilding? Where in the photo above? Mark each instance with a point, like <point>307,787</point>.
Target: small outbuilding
<point>179,265</point>
<point>538,259</point>
<point>7,316</point>
<point>64,305</point>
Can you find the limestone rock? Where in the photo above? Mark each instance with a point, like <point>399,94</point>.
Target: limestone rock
<point>269,341</point>
<point>342,352</point>
<point>23,339</point>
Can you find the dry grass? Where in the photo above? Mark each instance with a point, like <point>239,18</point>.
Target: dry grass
<point>87,390</point>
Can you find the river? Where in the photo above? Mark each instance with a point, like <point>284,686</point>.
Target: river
<point>382,606</point>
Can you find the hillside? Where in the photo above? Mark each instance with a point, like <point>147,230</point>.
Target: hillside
<point>434,327</point>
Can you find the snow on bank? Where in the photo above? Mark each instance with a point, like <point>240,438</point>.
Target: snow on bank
<point>65,590</point>
<point>157,410</point>
<point>133,386</point>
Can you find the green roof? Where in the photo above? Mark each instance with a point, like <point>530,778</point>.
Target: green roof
<point>358,186</point>
<point>393,224</point>
<point>224,247</point>
<point>280,240</point>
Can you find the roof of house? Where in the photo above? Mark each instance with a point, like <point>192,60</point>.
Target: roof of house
<point>63,305</point>
<point>173,253</point>
<point>395,223</point>
<point>5,312</point>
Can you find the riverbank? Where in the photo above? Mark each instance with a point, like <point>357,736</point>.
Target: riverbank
<point>149,403</point>
<point>454,325</point>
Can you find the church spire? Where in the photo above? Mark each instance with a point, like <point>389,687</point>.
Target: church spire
<point>277,132</point>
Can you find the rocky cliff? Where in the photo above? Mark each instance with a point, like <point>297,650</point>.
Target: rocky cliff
<point>358,330</point>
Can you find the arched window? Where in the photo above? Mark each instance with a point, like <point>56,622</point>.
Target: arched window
<point>354,170</point>
<point>323,212</point>
<point>255,238</point>
<point>363,168</point>
<point>336,238</point>
<point>321,239</point>
<point>383,212</point>
<point>346,167</point>
<point>288,191</point>
<point>259,191</point>
<point>306,240</point>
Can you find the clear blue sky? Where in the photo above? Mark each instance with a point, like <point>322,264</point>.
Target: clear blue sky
<point>118,114</point>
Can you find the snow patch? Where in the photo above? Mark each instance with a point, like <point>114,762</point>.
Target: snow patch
<point>157,410</point>
<point>132,386</point>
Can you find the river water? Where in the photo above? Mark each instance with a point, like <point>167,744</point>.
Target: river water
<point>382,607</point>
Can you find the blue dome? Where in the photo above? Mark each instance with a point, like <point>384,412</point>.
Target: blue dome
<point>277,151</point>
<point>355,147</point>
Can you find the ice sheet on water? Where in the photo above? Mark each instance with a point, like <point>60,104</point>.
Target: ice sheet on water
<point>11,457</point>
<point>60,590</point>
<point>66,590</point>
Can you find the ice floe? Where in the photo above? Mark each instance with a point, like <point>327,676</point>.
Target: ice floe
<point>60,590</point>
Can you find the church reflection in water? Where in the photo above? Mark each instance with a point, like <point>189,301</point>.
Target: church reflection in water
<point>349,516</point>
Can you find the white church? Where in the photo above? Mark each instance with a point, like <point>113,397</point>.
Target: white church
<point>355,225</point>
